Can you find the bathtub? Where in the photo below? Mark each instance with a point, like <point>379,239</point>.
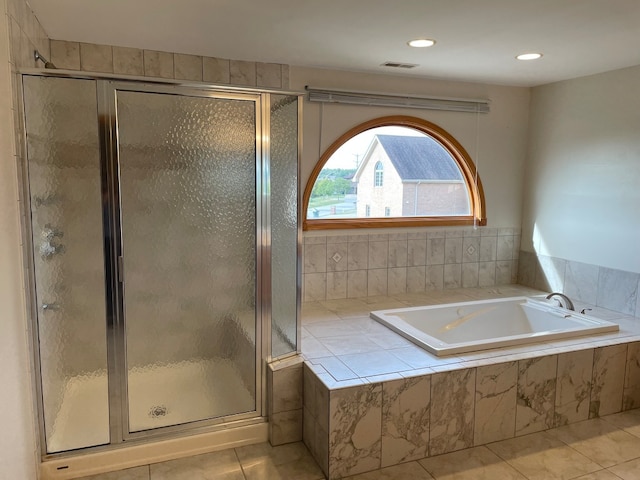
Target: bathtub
<point>471,326</point>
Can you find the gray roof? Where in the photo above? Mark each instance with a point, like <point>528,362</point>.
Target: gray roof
<point>419,158</point>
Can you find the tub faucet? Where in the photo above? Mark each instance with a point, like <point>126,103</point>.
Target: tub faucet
<point>564,301</point>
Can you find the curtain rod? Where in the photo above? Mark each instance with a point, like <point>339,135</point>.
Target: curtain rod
<point>326,95</point>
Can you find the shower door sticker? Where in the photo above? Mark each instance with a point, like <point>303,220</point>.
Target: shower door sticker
<point>187,169</point>
<point>63,162</point>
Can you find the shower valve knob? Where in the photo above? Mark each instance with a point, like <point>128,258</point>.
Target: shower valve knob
<point>50,233</point>
<point>47,249</point>
<point>50,306</point>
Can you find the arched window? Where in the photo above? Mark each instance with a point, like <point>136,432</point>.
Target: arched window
<point>398,164</point>
<point>378,175</point>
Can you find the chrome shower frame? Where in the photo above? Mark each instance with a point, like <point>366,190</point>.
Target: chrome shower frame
<point>116,351</point>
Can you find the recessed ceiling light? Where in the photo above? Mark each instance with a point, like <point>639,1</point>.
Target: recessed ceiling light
<point>529,56</point>
<point>421,42</point>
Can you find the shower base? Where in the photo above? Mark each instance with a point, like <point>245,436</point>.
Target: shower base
<point>161,396</point>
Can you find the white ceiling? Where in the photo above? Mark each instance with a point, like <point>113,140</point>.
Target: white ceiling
<point>477,40</point>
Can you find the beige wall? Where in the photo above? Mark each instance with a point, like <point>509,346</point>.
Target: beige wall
<point>582,197</point>
<point>20,33</point>
<point>365,262</point>
<point>499,148</point>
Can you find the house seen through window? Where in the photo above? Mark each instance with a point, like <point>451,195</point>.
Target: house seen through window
<point>395,171</point>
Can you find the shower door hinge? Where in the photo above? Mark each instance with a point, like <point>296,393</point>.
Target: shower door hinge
<point>120,269</point>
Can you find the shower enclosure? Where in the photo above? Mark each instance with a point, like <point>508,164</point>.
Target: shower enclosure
<point>160,218</point>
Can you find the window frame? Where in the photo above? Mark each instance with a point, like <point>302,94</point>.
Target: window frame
<point>468,169</point>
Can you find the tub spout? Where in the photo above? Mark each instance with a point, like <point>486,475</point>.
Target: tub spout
<point>565,302</point>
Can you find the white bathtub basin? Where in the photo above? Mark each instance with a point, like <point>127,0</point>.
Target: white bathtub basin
<point>470,326</point>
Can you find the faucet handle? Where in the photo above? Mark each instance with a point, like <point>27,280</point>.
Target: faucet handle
<point>585,310</point>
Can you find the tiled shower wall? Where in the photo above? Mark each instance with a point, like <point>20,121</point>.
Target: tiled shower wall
<point>360,265</point>
<point>604,287</point>
<point>153,63</point>
<point>26,35</point>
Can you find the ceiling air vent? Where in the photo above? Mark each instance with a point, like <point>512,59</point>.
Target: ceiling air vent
<point>399,65</point>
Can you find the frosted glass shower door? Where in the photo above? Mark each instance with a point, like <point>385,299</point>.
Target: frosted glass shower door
<point>63,165</point>
<point>187,173</point>
<point>284,223</point>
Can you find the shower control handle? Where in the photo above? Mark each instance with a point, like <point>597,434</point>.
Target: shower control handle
<point>50,306</point>
<point>50,232</point>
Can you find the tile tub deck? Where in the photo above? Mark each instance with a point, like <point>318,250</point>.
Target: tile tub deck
<point>373,399</point>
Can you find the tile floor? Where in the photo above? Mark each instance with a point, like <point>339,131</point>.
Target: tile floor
<point>606,448</point>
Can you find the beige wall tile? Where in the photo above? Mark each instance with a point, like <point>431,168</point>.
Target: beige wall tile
<point>396,280</point>
<point>452,417</point>
<point>355,433</point>
<point>315,258</point>
<point>158,64</point>
<point>315,286</point>
<point>286,391</point>
<point>416,252</point>
<point>285,76</point>
<point>25,52</point>
<point>242,73</point>
<point>65,55</point>
<point>96,58</point>
<point>268,75</point>
<point>128,61</point>
<point>215,70</point>
<point>14,41</point>
<point>416,279</point>
<point>285,427</point>
<point>14,9</point>
<point>358,255</point>
<point>337,254</point>
<point>495,403</point>
<point>405,419</point>
<point>378,254</point>
<point>188,67</point>
<point>377,282</point>
<point>536,394</point>
<point>357,283</point>
<point>608,380</point>
<point>336,285</point>
<point>631,396</point>
<point>575,371</point>
<point>42,41</point>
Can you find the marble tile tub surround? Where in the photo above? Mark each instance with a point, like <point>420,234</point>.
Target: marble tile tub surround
<point>605,287</point>
<point>152,63</point>
<point>373,399</point>
<point>370,264</point>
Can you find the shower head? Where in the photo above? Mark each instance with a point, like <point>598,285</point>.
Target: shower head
<point>37,56</point>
